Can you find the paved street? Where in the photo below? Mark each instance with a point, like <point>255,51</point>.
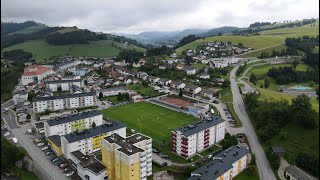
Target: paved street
<point>10,116</point>
<point>36,154</point>
<point>264,168</point>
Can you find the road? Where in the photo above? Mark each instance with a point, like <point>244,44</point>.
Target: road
<point>10,116</point>
<point>264,168</point>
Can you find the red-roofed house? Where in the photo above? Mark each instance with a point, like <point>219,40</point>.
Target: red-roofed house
<point>35,74</point>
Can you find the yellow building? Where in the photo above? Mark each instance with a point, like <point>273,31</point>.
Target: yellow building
<point>55,144</point>
<point>127,158</point>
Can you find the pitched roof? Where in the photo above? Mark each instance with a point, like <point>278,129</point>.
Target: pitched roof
<point>40,70</point>
<point>73,137</point>
<point>63,81</point>
<point>298,173</point>
<point>73,117</point>
<point>199,126</point>
<point>215,168</point>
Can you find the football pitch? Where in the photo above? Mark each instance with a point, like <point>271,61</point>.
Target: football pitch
<point>156,122</point>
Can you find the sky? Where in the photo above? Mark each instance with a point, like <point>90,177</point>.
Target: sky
<point>135,16</point>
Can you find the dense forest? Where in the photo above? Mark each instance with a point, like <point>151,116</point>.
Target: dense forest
<point>257,24</point>
<point>11,27</point>
<point>74,37</point>
<point>163,50</point>
<point>305,44</point>
<point>286,75</point>
<point>188,39</point>
<point>17,54</point>
<point>131,56</point>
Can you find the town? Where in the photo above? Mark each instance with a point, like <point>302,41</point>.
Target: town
<point>198,104</point>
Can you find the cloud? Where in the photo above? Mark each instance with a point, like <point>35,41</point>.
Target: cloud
<point>165,15</point>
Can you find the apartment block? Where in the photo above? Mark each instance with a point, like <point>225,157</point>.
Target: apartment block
<point>71,123</point>
<point>89,140</point>
<point>35,74</point>
<point>225,165</point>
<point>64,84</point>
<point>196,137</point>
<point>69,101</point>
<point>127,158</point>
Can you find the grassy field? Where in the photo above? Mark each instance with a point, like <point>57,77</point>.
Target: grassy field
<point>40,49</point>
<point>67,30</point>
<point>255,42</point>
<point>200,65</point>
<point>28,30</point>
<point>267,50</point>
<point>263,69</point>
<point>143,90</point>
<point>23,174</point>
<point>246,176</point>
<point>294,32</point>
<point>151,116</point>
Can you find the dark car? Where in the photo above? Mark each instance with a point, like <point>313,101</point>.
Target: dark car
<point>163,164</point>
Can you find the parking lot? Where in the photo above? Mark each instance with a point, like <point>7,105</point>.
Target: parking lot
<point>229,116</point>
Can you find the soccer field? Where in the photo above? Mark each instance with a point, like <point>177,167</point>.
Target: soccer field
<point>156,122</point>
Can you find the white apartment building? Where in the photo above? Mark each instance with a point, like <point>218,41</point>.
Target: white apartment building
<point>69,101</point>
<point>190,139</point>
<point>64,84</point>
<point>20,96</point>
<point>225,165</point>
<point>111,91</point>
<point>67,65</point>
<point>35,74</point>
<point>71,123</point>
<point>89,141</point>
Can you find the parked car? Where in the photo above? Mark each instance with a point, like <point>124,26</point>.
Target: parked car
<point>70,174</point>
<point>49,153</point>
<point>5,110</point>
<point>56,159</point>
<point>164,156</point>
<point>63,165</point>
<point>163,164</point>
<point>66,169</point>
<point>225,109</point>
<point>37,140</point>
<point>40,144</point>
<point>6,134</point>
<point>44,148</point>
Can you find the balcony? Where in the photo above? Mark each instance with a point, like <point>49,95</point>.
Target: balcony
<point>142,165</point>
<point>184,143</point>
<point>142,159</point>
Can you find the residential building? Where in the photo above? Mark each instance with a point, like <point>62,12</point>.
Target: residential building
<point>71,123</point>
<point>64,84</point>
<point>204,76</point>
<point>89,141</point>
<point>153,79</point>
<point>55,143</point>
<point>35,74</point>
<point>80,72</point>
<point>69,101</point>
<point>225,165</point>
<point>209,93</point>
<point>66,65</point>
<point>294,173</point>
<point>177,85</point>
<point>20,96</point>
<point>127,158</point>
<point>196,137</point>
<point>164,82</point>
<point>190,70</point>
<point>88,167</point>
<point>111,91</point>
<point>192,89</point>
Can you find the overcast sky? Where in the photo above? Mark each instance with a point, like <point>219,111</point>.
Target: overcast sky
<point>133,16</point>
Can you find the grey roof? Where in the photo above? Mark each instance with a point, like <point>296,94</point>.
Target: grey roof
<point>217,167</point>
<point>73,117</point>
<point>199,126</point>
<point>22,92</point>
<point>39,125</point>
<point>190,86</point>
<point>278,149</point>
<point>298,173</point>
<point>176,82</point>
<point>208,91</point>
<point>72,137</point>
<point>126,144</point>
<point>63,96</point>
<point>96,167</point>
<point>56,139</point>
<point>89,162</point>
<point>63,81</point>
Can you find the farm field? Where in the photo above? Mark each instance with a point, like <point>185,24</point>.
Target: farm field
<point>153,118</point>
<point>256,42</point>
<point>40,49</point>
<point>267,50</point>
<point>294,32</point>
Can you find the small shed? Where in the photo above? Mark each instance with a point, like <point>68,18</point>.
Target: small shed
<point>280,151</point>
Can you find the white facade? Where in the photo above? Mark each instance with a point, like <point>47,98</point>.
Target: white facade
<point>85,145</point>
<point>65,85</point>
<point>191,71</point>
<point>110,92</point>
<point>35,76</point>
<point>20,97</point>
<point>66,128</point>
<point>189,145</point>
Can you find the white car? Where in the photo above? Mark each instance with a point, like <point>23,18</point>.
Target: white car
<point>6,134</point>
<point>40,144</point>
<point>44,148</point>
<point>70,174</point>
<point>5,110</point>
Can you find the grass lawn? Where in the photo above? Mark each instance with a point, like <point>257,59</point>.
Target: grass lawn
<point>156,122</point>
<point>267,50</point>
<point>143,90</point>
<point>247,176</point>
<point>293,32</point>
<point>40,49</point>
<point>263,69</point>
<point>23,174</point>
<point>200,65</point>
<point>255,42</point>
<point>113,99</point>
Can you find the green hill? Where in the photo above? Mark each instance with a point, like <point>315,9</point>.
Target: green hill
<point>266,40</point>
<point>41,50</point>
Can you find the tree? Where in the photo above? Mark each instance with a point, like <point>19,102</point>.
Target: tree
<point>120,97</point>
<point>59,89</point>
<point>28,116</point>
<point>93,124</point>
<point>144,83</point>
<point>240,45</point>
<point>295,63</point>
<point>180,92</point>
<point>219,34</point>
<point>253,78</point>
<point>126,96</point>
<point>266,83</point>
<point>31,95</point>
<point>100,95</point>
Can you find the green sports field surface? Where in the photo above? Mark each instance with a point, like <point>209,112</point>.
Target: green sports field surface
<point>156,122</point>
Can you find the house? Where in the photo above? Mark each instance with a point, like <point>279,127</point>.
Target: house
<point>177,85</point>
<point>162,67</point>
<point>204,76</point>
<point>111,91</point>
<point>153,79</point>
<point>209,93</point>
<point>174,55</point>
<point>20,96</point>
<point>190,70</point>
<point>192,89</point>
<point>193,138</point>
<point>35,74</point>
<point>136,97</point>
<point>64,84</point>
<point>225,165</point>
<point>180,66</point>
<point>294,173</point>
<point>164,82</point>
<point>80,72</point>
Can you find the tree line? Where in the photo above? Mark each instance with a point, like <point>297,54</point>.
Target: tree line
<point>162,50</point>
<point>11,27</point>
<point>286,75</point>
<point>186,40</point>
<point>130,56</point>
<point>17,54</point>
<point>305,44</point>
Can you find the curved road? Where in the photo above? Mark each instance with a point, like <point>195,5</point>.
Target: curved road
<point>264,168</point>
<point>259,49</point>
